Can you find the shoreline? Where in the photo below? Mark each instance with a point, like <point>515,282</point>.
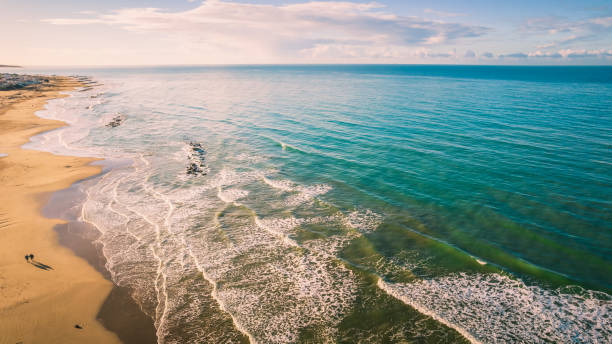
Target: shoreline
<point>45,300</point>
<point>119,313</point>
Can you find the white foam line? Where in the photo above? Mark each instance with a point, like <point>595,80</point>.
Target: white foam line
<point>109,205</point>
<point>169,213</point>
<point>283,237</point>
<point>83,218</point>
<point>214,294</point>
<point>224,199</point>
<point>127,229</point>
<point>161,197</point>
<point>127,218</point>
<point>158,333</point>
<point>383,286</point>
<point>160,273</point>
<point>278,185</point>
<point>60,137</point>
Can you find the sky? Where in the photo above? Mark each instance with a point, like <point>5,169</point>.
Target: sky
<point>195,32</point>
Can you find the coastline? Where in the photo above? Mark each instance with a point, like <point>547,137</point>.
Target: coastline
<point>44,300</point>
<point>119,313</point>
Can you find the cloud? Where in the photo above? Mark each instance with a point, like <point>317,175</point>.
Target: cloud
<point>583,53</point>
<point>514,56</point>
<point>540,54</point>
<point>488,55</point>
<point>566,40</point>
<point>578,29</point>
<point>550,25</point>
<point>441,55</point>
<point>568,54</point>
<point>470,54</point>
<point>442,13</point>
<point>378,53</point>
<point>304,29</point>
<point>554,25</point>
<point>601,21</point>
<point>563,33</point>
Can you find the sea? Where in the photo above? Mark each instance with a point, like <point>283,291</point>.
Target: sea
<point>350,203</point>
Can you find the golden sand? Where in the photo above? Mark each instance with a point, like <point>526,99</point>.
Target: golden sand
<point>40,305</point>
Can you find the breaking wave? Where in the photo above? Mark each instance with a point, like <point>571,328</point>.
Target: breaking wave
<point>494,308</point>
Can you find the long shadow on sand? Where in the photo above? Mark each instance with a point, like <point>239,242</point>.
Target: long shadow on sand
<point>41,266</point>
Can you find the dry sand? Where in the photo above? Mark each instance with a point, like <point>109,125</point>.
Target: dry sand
<point>39,305</point>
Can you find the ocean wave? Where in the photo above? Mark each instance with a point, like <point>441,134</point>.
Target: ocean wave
<point>494,308</point>
<point>364,221</point>
<point>300,194</point>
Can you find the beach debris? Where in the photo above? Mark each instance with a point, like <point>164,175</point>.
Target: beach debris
<point>197,159</point>
<point>79,327</point>
<point>116,121</point>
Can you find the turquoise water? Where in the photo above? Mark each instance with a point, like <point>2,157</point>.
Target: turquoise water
<point>354,203</point>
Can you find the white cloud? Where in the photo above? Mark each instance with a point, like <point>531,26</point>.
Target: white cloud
<point>583,53</point>
<point>550,25</point>
<point>540,54</point>
<point>556,32</point>
<point>564,41</point>
<point>602,21</point>
<point>442,13</point>
<point>309,29</point>
<point>568,54</point>
<point>513,56</point>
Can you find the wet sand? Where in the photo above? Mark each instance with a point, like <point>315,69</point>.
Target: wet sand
<point>119,313</point>
<point>42,302</point>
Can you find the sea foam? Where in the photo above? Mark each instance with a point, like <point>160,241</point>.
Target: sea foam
<point>494,308</point>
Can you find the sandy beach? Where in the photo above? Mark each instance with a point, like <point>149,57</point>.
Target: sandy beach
<point>41,301</point>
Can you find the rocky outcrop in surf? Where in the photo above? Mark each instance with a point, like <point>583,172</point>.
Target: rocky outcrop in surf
<point>116,121</point>
<point>197,160</point>
<point>88,82</point>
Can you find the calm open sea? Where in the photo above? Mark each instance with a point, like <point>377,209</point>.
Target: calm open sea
<point>353,203</point>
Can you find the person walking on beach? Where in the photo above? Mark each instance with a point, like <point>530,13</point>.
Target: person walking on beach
<point>27,257</point>
<point>31,257</point>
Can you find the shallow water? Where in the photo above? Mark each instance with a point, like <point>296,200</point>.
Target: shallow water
<point>353,203</point>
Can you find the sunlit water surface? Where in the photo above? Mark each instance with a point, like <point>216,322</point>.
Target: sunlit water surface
<point>353,203</point>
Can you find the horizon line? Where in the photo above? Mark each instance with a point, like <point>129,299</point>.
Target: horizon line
<point>8,66</point>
